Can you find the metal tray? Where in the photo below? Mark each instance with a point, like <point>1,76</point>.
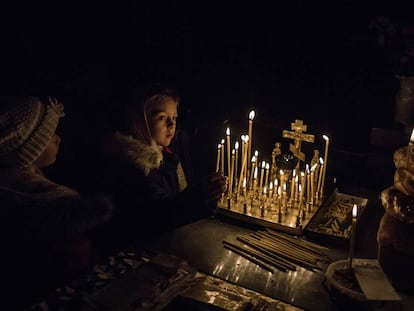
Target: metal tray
<point>332,222</point>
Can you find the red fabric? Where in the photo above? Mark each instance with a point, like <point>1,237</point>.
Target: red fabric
<point>167,150</point>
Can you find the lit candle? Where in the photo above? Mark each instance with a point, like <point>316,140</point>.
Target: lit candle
<point>279,194</point>
<point>244,157</point>
<point>296,188</point>
<point>253,167</point>
<point>218,158</point>
<point>284,196</point>
<point>254,181</point>
<point>276,184</point>
<point>251,117</point>
<point>264,195</point>
<point>312,181</point>
<point>300,200</point>
<point>267,174</point>
<point>410,150</point>
<point>228,151</point>
<point>318,189</point>
<point>233,152</point>
<point>236,147</point>
<point>244,190</point>
<point>261,176</point>
<point>325,162</point>
<point>222,156</point>
<point>308,194</point>
<point>270,190</point>
<point>292,186</point>
<point>303,184</point>
<point>353,232</point>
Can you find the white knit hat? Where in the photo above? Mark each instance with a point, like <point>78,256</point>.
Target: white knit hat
<point>26,127</point>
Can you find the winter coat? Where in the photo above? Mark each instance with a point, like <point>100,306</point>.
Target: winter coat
<point>43,229</point>
<point>148,185</point>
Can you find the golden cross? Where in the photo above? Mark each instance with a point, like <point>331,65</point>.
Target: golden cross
<point>298,136</point>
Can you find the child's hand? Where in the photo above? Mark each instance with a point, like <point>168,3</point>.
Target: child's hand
<point>213,186</point>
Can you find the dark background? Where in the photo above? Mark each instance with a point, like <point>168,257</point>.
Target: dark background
<point>312,60</point>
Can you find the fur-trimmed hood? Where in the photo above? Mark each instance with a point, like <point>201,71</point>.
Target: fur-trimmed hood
<point>128,148</point>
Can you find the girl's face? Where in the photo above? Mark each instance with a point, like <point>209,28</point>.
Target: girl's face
<point>162,121</point>
<point>48,156</point>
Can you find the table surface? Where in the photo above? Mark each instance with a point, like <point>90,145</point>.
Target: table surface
<point>200,243</point>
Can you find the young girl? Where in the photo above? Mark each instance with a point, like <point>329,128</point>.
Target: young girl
<point>145,171</point>
<point>43,224</point>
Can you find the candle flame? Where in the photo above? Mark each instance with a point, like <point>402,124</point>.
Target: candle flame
<point>236,145</point>
<point>412,136</point>
<point>233,152</point>
<point>321,160</point>
<point>251,115</point>
<point>219,146</point>
<point>263,164</point>
<point>325,137</point>
<point>284,187</point>
<point>300,188</point>
<point>246,138</point>
<point>296,178</point>
<point>228,131</point>
<point>255,173</point>
<point>244,182</point>
<point>276,182</point>
<point>264,189</point>
<point>267,166</point>
<point>314,167</point>
<point>354,211</point>
<point>256,153</point>
<point>294,173</point>
<point>279,191</point>
<point>253,159</point>
<point>222,141</point>
<point>302,174</point>
<point>271,186</point>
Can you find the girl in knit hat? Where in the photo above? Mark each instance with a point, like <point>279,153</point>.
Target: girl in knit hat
<point>43,223</point>
<point>146,171</point>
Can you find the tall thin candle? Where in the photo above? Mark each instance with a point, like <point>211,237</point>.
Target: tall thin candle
<point>222,156</point>
<point>233,152</point>
<point>318,189</point>
<point>228,151</point>
<point>218,158</point>
<point>236,161</point>
<point>325,162</point>
<point>410,150</point>
<point>261,176</point>
<point>251,117</point>
<point>353,232</point>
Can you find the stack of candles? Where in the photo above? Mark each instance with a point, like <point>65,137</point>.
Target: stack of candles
<point>286,192</point>
<point>270,249</point>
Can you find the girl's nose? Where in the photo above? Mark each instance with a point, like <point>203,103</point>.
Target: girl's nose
<point>170,122</point>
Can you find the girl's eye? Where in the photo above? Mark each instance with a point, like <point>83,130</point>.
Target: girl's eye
<point>162,118</point>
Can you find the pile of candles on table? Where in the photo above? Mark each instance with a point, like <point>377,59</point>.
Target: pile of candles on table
<point>270,249</point>
<point>277,189</point>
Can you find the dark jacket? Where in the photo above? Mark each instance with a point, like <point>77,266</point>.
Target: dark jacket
<point>149,187</point>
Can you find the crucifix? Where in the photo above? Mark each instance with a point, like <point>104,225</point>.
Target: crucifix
<point>298,136</point>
